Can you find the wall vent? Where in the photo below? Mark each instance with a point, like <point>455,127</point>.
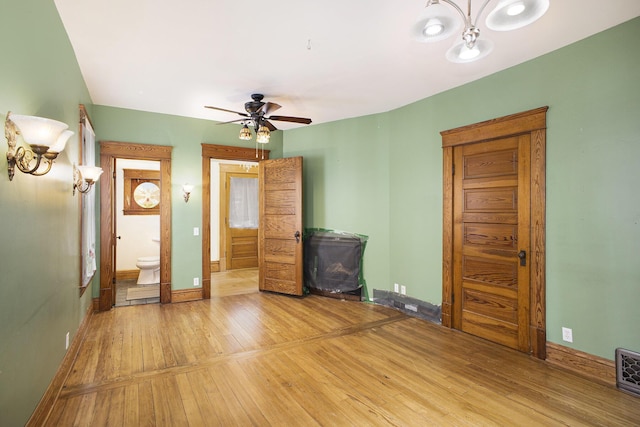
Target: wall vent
<point>628,371</point>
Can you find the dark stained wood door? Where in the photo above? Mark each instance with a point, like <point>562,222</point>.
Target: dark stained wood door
<point>491,240</point>
<point>280,230</point>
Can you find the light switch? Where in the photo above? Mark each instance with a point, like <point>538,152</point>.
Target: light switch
<point>196,231</point>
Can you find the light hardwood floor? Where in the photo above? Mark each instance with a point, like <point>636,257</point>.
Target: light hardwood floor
<point>265,359</point>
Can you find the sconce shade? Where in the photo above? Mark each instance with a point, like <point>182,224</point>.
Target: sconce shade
<point>90,173</point>
<point>187,188</point>
<point>513,14</point>
<point>245,133</point>
<point>38,130</point>
<point>263,135</point>
<point>59,145</point>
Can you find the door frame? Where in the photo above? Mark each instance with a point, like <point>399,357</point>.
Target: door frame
<point>109,152</point>
<point>532,122</point>
<point>217,152</point>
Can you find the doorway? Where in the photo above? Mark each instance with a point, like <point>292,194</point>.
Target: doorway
<point>109,152</point>
<point>494,230</point>
<point>137,229</point>
<point>219,152</point>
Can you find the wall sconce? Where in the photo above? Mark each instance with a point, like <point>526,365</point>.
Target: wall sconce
<point>46,137</point>
<point>186,190</point>
<point>84,177</point>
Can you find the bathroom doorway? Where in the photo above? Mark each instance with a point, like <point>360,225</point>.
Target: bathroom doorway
<point>110,152</point>
<point>137,230</point>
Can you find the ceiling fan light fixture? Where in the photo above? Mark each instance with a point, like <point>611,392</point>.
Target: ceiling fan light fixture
<point>437,22</point>
<point>263,135</point>
<point>245,133</point>
<point>513,14</point>
<point>460,53</point>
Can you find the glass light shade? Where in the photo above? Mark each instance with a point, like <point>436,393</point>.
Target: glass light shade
<point>38,130</point>
<point>187,188</point>
<point>90,173</point>
<point>245,133</point>
<point>61,142</point>
<point>460,53</point>
<point>437,22</point>
<point>513,14</point>
<point>263,135</point>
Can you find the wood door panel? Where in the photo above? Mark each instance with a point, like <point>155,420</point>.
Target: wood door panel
<point>490,217</point>
<point>281,202</point>
<point>280,250</point>
<point>496,306</point>
<point>280,238</point>
<point>495,330</point>
<point>491,164</point>
<point>483,270</point>
<point>491,236</point>
<point>491,200</point>
<point>245,246</point>
<point>280,226</point>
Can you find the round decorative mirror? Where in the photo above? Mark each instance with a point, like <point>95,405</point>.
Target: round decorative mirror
<point>147,195</point>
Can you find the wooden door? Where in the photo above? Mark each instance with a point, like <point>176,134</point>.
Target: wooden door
<point>280,231</point>
<point>491,240</point>
<point>241,240</point>
<point>494,209</point>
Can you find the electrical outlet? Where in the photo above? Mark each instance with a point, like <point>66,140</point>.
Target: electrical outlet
<point>66,341</point>
<point>567,334</point>
<point>403,290</point>
<point>196,281</point>
<point>396,288</point>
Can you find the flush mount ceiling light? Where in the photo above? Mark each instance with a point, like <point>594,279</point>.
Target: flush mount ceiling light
<point>439,21</point>
<point>46,138</point>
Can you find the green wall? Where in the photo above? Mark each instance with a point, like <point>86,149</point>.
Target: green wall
<point>378,175</point>
<point>593,176</point>
<point>185,135</point>
<point>39,216</point>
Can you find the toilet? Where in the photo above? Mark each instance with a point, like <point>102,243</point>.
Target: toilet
<point>149,270</point>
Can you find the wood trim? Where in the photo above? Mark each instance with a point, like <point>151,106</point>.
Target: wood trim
<point>537,258</point>
<point>109,151</point>
<point>587,365</point>
<point>42,412</point>
<point>127,274</point>
<point>447,240</point>
<point>501,127</point>
<point>129,150</point>
<point>220,152</point>
<point>215,267</point>
<point>184,295</point>
<point>534,123</point>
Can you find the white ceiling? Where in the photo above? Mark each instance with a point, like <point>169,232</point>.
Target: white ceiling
<point>327,60</point>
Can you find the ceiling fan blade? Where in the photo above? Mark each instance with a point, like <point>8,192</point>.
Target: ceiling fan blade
<point>231,121</point>
<point>291,119</point>
<point>228,111</point>
<point>269,107</point>
<point>269,125</point>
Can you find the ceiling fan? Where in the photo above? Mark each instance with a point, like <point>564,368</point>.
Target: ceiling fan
<point>257,114</point>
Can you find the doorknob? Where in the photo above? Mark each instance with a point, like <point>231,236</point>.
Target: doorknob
<point>297,236</point>
<point>118,237</point>
<point>523,258</point>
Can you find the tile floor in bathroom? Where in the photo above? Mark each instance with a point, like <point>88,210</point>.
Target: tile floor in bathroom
<point>121,293</point>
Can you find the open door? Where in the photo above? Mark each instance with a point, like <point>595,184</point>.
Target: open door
<point>280,231</point>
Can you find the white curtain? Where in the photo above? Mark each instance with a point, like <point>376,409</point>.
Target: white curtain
<point>88,208</point>
<point>243,203</point>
